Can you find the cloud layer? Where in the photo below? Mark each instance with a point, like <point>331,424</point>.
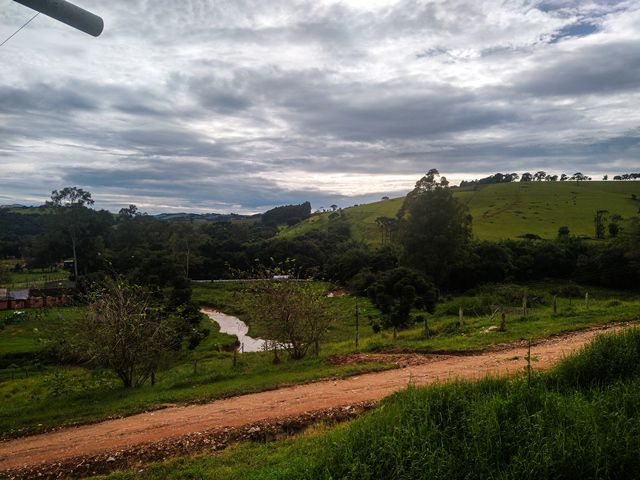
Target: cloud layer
<point>242,105</point>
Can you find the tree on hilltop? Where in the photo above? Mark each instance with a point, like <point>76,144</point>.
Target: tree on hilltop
<point>539,176</point>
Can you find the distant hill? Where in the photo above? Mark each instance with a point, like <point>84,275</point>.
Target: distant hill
<point>12,206</point>
<point>212,217</point>
<point>25,210</point>
<point>507,210</point>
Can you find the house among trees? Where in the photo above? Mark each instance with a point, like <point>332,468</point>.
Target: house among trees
<point>12,299</point>
<point>68,264</point>
<point>49,296</point>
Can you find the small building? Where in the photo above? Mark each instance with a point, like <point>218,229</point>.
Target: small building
<point>4,299</point>
<point>18,298</point>
<point>68,264</point>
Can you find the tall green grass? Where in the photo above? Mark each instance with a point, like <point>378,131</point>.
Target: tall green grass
<point>606,359</point>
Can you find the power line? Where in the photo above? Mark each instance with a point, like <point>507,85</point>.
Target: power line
<point>15,33</point>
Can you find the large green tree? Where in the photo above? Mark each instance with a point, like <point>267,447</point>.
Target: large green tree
<point>126,331</point>
<point>396,292</point>
<point>435,228</point>
<point>71,205</point>
<point>293,313</point>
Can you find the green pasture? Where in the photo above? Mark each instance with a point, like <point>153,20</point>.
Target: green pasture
<point>27,332</point>
<point>504,211</point>
<point>38,394</point>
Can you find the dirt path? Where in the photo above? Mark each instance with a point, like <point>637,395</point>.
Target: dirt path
<point>118,435</point>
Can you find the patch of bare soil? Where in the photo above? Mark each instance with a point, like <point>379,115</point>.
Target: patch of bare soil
<point>187,429</point>
<point>399,360</point>
<point>338,293</point>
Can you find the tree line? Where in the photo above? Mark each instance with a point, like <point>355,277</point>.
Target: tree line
<point>540,176</point>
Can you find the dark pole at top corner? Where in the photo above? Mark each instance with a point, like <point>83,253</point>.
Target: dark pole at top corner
<point>68,13</point>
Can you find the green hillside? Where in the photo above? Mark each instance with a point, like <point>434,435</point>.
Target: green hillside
<point>507,210</point>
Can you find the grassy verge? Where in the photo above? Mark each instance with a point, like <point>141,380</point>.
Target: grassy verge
<point>581,420</point>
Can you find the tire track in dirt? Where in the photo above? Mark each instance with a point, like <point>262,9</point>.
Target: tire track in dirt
<point>174,423</point>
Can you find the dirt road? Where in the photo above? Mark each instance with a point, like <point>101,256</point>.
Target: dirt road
<point>148,428</point>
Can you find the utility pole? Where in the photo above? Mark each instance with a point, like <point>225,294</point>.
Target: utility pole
<point>529,365</point>
<point>357,326</point>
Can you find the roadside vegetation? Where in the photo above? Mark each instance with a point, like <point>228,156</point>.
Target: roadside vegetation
<point>579,420</point>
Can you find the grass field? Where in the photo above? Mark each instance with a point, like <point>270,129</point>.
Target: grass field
<point>37,395</point>
<point>28,278</point>
<point>29,334</point>
<point>505,211</point>
<point>580,420</point>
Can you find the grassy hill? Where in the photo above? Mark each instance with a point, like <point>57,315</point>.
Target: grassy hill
<point>507,210</point>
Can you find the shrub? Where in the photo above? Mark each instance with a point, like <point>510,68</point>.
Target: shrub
<point>570,291</point>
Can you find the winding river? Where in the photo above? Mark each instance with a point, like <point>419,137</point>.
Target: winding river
<point>234,326</point>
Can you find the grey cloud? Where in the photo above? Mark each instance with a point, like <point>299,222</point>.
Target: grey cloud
<point>215,93</point>
<point>44,98</point>
<point>381,111</point>
<point>197,184</point>
<point>244,104</point>
<point>405,116</point>
<point>168,140</point>
<point>596,69</point>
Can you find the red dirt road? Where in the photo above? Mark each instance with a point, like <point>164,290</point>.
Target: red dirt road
<point>148,428</point>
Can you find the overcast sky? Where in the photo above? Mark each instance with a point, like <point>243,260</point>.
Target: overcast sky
<point>241,105</point>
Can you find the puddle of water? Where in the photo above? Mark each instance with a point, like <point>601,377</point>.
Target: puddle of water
<point>234,326</point>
